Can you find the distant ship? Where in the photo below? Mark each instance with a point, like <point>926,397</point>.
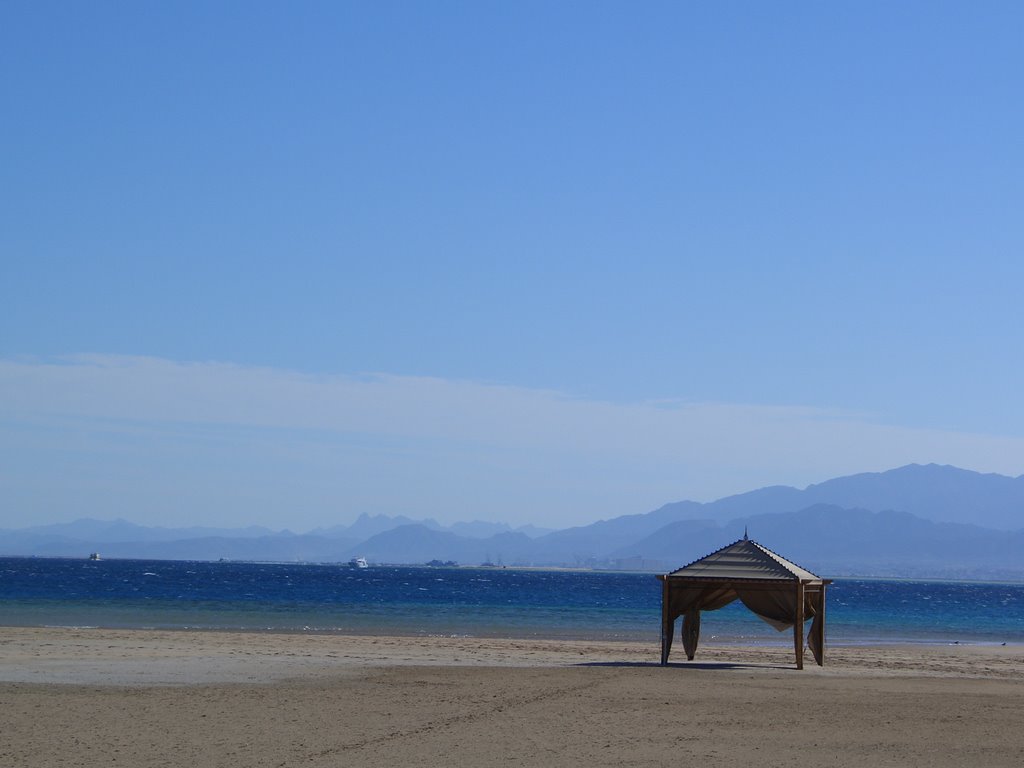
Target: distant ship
<point>94,555</point>
<point>359,562</point>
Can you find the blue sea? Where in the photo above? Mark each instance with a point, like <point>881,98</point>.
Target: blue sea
<point>468,602</point>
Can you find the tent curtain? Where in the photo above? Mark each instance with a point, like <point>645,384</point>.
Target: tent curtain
<point>699,599</point>
<point>776,607</point>
<point>813,638</point>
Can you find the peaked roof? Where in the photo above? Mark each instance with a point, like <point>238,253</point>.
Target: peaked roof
<point>744,559</point>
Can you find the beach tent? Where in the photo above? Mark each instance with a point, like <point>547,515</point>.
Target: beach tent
<point>780,592</point>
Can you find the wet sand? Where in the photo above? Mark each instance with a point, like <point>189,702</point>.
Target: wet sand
<point>85,697</point>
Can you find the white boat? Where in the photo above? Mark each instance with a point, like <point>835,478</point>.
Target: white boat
<point>94,555</point>
<point>359,562</point>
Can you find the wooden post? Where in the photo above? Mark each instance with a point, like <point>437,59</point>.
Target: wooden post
<point>666,624</point>
<point>798,627</point>
<point>821,625</point>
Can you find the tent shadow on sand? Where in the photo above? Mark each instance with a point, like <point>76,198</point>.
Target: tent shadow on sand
<point>700,665</point>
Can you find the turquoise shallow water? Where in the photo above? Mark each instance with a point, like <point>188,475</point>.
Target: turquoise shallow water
<point>477,602</point>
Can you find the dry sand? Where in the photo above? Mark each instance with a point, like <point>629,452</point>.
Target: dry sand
<point>91,697</point>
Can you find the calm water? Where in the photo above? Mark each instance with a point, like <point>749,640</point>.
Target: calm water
<point>466,601</point>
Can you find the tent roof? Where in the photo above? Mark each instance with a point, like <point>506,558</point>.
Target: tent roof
<point>746,560</point>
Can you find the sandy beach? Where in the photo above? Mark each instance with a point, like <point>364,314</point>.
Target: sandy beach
<point>91,697</point>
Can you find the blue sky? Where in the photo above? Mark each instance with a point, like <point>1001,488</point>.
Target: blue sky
<point>530,262</point>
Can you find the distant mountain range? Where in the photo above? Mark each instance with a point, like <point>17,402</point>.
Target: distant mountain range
<point>915,521</point>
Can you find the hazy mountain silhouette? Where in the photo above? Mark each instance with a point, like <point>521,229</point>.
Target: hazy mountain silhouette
<point>419,544</point>
<point>830,539</point>
<point>914,520</point>
<point>479,529</point>
<point>939,493</point>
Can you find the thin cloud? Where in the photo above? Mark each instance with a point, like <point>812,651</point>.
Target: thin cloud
<point>419,445</point>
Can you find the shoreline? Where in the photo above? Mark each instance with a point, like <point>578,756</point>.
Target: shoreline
<point>720,640</point>
<point>92,656</point>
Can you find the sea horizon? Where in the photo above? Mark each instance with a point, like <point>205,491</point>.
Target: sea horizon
<point>471,601</point>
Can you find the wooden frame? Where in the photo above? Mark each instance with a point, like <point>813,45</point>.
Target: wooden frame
<point>814,589</point>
